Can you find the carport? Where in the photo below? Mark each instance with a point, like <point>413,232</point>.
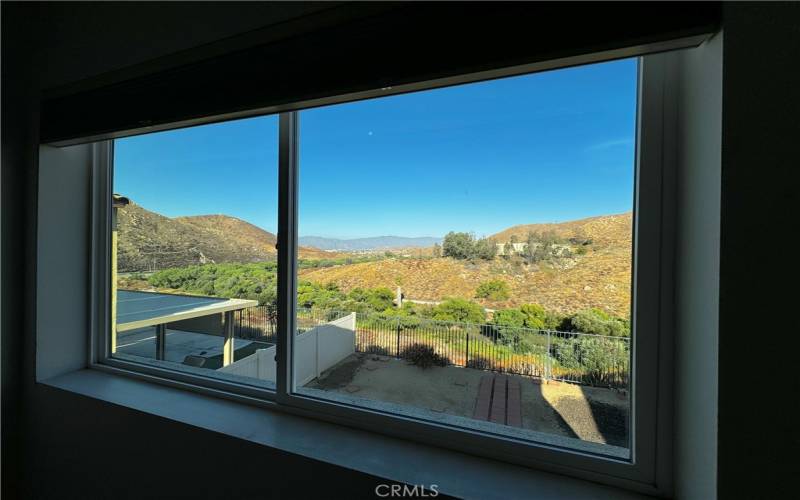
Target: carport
<point>195,317</point>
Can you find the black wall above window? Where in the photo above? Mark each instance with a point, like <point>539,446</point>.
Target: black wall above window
<point>361,47</point>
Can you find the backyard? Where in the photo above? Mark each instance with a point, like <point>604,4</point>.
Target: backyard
<point>593,414</point>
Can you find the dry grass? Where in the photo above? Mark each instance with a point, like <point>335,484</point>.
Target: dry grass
<point>600,278</point>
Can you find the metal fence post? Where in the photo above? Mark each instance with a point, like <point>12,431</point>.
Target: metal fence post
<point>547,359</point>
<point>466,357</point>
<point>398,337</point>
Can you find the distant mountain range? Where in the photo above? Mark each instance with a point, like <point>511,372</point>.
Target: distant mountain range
<point>362,244</point>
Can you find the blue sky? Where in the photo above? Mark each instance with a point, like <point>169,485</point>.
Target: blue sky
<point>481,157</point>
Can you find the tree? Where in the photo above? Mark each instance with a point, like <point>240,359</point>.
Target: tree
<point>535,316</point>
<point>509,317</point>
<point>460,310</point>
<point>458,245</point>
<point>485,249</point>
<point>508,248</point>
<point>464,246</point>
<point>493,290</point>
<point>437,250</point>
<point>530,247</point>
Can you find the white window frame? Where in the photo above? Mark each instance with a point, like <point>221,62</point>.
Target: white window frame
<point>648,469</point>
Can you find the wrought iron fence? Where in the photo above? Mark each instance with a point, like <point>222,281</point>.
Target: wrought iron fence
<point>260,323</point>
<point>549,354</point>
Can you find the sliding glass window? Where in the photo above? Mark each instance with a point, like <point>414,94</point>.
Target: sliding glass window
<point>478,266</point>
<point>193,265</point>
<point>465,256</point>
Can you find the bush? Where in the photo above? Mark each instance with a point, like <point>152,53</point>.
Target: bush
<point>378,299</point>
<point>423,356</point>
<point>535,316</point>
<point>509,317</point>
<point>459,310</point>
<point>596,357</point>
<point>493,290</point>
<point>599,322</point>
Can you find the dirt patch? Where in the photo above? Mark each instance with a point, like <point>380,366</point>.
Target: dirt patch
<point>340,375</point>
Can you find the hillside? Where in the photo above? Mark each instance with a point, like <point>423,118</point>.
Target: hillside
<point>148,240</point>
<point>374,243</point>
<point>246,235</point>
<point>599,278</point>
<point>604,231</point>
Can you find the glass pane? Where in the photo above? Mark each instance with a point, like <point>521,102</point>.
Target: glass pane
<point>465,255</point>
<point>194,258</point>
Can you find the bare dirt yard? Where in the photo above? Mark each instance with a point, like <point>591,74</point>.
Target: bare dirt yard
<point>589,413</point>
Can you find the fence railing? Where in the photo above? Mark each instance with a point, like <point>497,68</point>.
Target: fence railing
<point>260,323</point>
<point>549,354</point>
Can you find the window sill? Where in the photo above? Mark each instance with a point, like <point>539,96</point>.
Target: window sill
<point>456,474</point>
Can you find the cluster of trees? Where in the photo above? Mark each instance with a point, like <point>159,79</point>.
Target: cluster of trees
<point>538,246</point>
<point>465,246</point>
<point>534,316</point>
<point>256,281</point>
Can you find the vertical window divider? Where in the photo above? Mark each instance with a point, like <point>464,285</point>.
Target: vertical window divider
<point>287,251</point>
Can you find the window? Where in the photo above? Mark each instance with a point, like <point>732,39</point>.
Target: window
<point>479,241</point>
<point>193,269</point>
<point>476,266</point>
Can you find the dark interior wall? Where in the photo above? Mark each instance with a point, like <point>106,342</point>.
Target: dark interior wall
<point>84,39</point>
<point>83,448</point>
<point>759,437</point>
<point>19,146</point>
<point>49,446</point>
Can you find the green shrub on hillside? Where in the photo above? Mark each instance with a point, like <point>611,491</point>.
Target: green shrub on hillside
<point>459,310</point>
<point>535,316</point>
<point>378,299</point>
<point>599,322</point>
<point>513,318</point>
<point>493,290</point>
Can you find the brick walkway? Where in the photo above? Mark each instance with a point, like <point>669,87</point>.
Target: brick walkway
<point>499,400</point>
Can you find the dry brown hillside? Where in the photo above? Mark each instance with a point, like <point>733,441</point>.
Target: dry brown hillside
<point>246,235</point>
<point>605,230</point>
<point>599,278</point>
<point>150,241</point>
